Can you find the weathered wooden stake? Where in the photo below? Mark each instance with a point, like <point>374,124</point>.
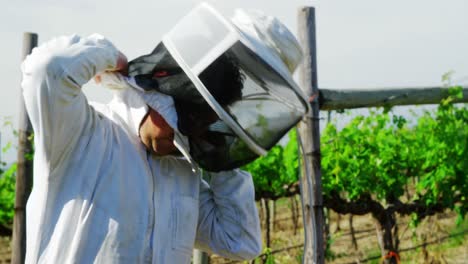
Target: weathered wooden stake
<point>200,257</point>
<point>267,223</point>
<point>24,169</point>
<point>309,131</point>
<point>336,99</point>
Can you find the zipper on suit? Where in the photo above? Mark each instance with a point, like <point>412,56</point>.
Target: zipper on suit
<point>151,217</point>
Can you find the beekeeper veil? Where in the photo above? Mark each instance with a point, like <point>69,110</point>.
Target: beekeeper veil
<point>231,84</point>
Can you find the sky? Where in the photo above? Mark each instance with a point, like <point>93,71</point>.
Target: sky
<point>360,43</point>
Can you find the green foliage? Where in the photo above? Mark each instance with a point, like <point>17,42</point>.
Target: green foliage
<point>458,234</point>
<point>367,156</point>
<point>7,195</point>
<point>7,183</point>
<point>443,167</point>
<point>268,258</point>
<point>276,172</point>
<point>299,257</point>
<point>377,155</point>
<point>329,254</point>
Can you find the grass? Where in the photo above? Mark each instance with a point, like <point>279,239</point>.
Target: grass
<point>449,245</point>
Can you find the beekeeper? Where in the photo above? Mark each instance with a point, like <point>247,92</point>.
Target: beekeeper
<point>122,182</point>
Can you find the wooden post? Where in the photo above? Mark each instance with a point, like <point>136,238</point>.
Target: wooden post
<point>200,257</point>
<point>309,132</point>
<point>335,99</point>
<point>24,169</point>
<point>267,223</point>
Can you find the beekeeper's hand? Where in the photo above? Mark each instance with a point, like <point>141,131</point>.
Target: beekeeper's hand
<point>122,64</point>
<point>121,67</point>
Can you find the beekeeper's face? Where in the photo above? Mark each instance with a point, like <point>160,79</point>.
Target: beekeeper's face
<point>156,134</point>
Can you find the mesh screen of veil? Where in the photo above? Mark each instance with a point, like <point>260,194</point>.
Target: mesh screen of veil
<point>266,109</point>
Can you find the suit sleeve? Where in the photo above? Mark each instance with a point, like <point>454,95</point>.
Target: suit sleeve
<point>52,79</point>
<point>228,220</point>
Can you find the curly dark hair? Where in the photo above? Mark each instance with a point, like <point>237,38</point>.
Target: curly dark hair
<point>224,80</point>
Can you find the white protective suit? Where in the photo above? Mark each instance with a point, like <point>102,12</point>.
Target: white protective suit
<point>98,197</point>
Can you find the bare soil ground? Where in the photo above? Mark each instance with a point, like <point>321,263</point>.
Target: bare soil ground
<point>5,250</point>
